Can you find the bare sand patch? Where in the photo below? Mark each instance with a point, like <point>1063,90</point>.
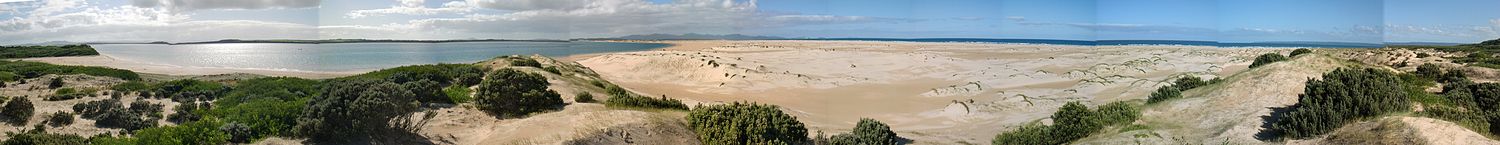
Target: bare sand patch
<point>933,93</point>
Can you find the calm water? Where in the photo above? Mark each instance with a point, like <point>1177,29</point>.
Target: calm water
<point>347,56</point>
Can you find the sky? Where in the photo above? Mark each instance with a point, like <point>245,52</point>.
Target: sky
<point>1360,21</point>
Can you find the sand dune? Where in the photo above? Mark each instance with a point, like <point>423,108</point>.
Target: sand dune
<point>934,93</point>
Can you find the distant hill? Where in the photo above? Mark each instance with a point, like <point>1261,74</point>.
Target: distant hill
<point>690,36</point>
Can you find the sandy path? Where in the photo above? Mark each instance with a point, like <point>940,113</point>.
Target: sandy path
<point>141,67</point>
<point>934,93</point>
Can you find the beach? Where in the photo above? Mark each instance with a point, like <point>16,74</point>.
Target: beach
<point>932,93</point>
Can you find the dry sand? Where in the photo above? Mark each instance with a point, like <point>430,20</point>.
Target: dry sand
<point>142,67</point>
<point>933,93</point>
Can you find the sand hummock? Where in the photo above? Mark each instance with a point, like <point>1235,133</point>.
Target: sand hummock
<point>932,93</point>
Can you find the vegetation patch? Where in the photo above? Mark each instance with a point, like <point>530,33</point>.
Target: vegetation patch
<point>512,93</point>
<point>867,132</point>
<point>46,51</point>
<point>1267,58</point>
<point>1071,122</point>
<point>619,97</point>
<point>1341,97</point>
<point>28,69</point>
<point>741,123</point>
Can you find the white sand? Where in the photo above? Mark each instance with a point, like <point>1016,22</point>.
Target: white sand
<point>142,67</point>
<point>934,93</point>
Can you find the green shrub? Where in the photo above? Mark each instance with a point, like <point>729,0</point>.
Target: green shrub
<point>521,61</point>
<point>56,82</point>
<point>8,77</point>
<point>29,69</point>
<point>65,94</point>
<point>458,94</point>
<point>36,137</point>
<point>1428,70</point>
<point>348,110</point>
<point>238,133</point>
<point>552,69</point>
<point>1300,51</point>
<point>512,93</point>
<point>427,91</point>
<point>583,97</point>
<point>60,119</point>
<point>188,90</point>
<point>867,132</point>
<point>1030,134</point>
<point>263,117</point>
<point>469,79</point>
<point>1118,113</point>
<point>130,86</point>
<point>1074,121</point>
<point>739,123</point>
<point>277,88</point>
<point>1164,93</point>
<point>1189,82</point>
<point>19,110</point>
<point>203,132</point>
<point>1267,58</point>
<point>1343,96</point>
<point>109,113</point>
<point>619,97</point>
<point>45,51</point>
<point>185,112</point>
<point>440,73</point>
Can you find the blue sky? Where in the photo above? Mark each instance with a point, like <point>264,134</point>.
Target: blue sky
<point>1365,21</point>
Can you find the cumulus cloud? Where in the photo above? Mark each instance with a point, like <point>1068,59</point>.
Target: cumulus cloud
<point>188,5</point>
<point>413,7</point>
<point>562,19</point>
<point>135,24</point>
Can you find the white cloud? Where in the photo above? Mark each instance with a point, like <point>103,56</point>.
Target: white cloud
<point>413,7</point>
<point>594,18</point>
<point>130,23</point>
<point>1016,18</point>
<point>188,5</point>
<point>1495,22</point>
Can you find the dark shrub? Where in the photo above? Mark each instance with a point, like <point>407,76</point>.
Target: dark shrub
<point>18,110</point>
<point>552,69</point>
<point>1117,113</point>
<point>46,51</point>
<point>349,110</point>
<point>739,123</point>
<point>1429,70</point>
<point>619,97</point>
<point>867,132</point>
<point>1030,134</point>
<point>1189,82</point>
<point>60,119</point>
<point>29,69</point>
<point>1300,51</point>
<point>521,61</point>
<point>427,91</point>
<point>1267,58</point>
<point>189,90</point>
<point>55,82</point>
<point>469,79</point>
<point>1343,96</point>
<point>583,97</point>
<point>511,93</point>
<point>43,138</point>
<point>1073,121</point>
<point>1164,93</point>
<point>203,132</point>
<point>184,112</point>
<point>238,133</point>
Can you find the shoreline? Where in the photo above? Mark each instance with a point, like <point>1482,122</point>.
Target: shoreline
<point>171,70</point>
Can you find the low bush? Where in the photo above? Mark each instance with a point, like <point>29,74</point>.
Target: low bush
<point>60,119</point>
<point>1071,122</point>
<point>1300,51</point>
<point>1164,93</point>
<point>867,132</point>
<point>552,69</point>
<point>459,94</point>
<point>1267,58</point>
<point>349,110</point>
<point>1429,70</point>
<point>511,93</point>
<point>741,123</point>
<point>522,61</point>
<point>18,110</point>
<point>619,97</point>
<point>443,74</point>
<point>203,132</point>
<point>1340,97</point>
<point>55,82</point>
<point>29,69</point>
<point>109,113</point>
<point>8,77</point>
<point>188,90</point>
<point>46,51</point>
<point>583,97</point>
<point>39,136</point>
